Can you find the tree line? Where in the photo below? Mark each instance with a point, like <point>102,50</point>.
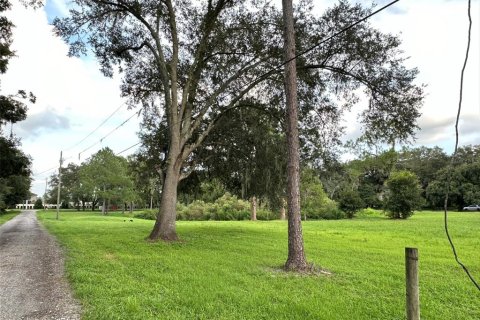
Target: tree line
<point>15,165</point>
<point>330,191</point>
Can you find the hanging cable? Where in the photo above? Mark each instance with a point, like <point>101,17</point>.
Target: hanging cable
<point>136,144</point>
<point>322,42</point>
<point>452,161</point>
<point>45,171</point>
<point>112,131</point>
<point>99,126</point>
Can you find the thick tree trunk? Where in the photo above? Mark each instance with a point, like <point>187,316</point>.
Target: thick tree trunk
<point>165,228</point>
<point>296,255</point>
<point>253,216</point>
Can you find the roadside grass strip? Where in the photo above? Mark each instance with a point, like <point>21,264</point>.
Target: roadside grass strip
<point>4,217</point>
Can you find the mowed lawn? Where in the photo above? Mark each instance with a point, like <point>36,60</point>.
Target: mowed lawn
<point>230,270</point>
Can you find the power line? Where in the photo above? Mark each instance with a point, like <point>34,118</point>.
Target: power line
<point>105,136</point>
<point>136,144</point>
<point>452,162</point>
<point>324,40</point>
<point>50,169</point>
<point>85,138</point>
<point>37,174</point>
<point>99,126</point>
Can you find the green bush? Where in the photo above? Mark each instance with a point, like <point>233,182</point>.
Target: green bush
<point>350,202</point>
<point>212,190</point>
<point>330,211</point>
<point>38,204</point>
<point>147,214</point>
<point>227,207</point>
<point>368,212</point>
<point>314,202</point>
<point>403,194</point>
<point>264,214</point>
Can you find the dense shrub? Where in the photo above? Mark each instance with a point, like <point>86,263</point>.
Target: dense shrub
<point>147,214</point>
<point>264,214</point>
<point>227,207</point>
<point>368,212</point>
<point>38,204</point>
<point>315,203</point>
<point>350,202</point>
<point>328,210</point>
<point>212,190</point>
<point>403,194</point>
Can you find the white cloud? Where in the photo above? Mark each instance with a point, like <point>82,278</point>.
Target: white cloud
<point>73,97</point>
<point>434,36</point>
<point>38,123</point>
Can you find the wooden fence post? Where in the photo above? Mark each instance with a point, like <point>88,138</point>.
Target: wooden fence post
<point>411,274</point>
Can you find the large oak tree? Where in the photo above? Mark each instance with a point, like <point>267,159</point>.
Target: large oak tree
<point>194,61</point>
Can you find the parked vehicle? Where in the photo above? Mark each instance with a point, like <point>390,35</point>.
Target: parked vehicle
<point>473,207</point>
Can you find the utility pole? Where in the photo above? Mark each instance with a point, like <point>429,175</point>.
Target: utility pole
<point>45,194</point>
<point>59,184</point>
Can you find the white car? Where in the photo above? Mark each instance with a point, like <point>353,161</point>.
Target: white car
<point>473,207</point>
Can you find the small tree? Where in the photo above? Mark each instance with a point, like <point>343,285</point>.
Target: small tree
<point>350,202</point>
<point>403,194</point>
<point>38,204</point>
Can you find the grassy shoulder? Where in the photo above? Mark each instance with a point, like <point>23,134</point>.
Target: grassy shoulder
<point>4,217</point>
<point>230,269</point>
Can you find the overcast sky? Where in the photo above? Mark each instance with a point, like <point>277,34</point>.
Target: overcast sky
<point>73,97</point>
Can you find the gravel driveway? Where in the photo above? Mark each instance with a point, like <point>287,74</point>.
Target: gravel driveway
<point>32,281</point>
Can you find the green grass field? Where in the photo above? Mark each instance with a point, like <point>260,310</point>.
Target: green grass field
<point>230,270</point>
<point>4,217</point>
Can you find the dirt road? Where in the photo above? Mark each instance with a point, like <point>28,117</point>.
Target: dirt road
<point>32,281</point>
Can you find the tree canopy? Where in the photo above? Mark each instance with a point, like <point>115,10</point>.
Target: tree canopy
<point>195,61</point>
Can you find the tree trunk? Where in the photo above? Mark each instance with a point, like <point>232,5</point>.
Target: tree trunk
<point>164,227</point>
<point>131,206</point>
<point>296,255</point>
<point>283,215</point>
<point>254,209</point>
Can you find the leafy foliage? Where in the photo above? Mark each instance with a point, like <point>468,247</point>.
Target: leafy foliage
<point>106,175</point>
<point>404,194</point>
<point>313,200</point>
<point>194,62</point>
<point>350,202</point>
<point>14,173</point>
<point>464,186</point>
<point>14,164</point>
<point>38,204</point>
